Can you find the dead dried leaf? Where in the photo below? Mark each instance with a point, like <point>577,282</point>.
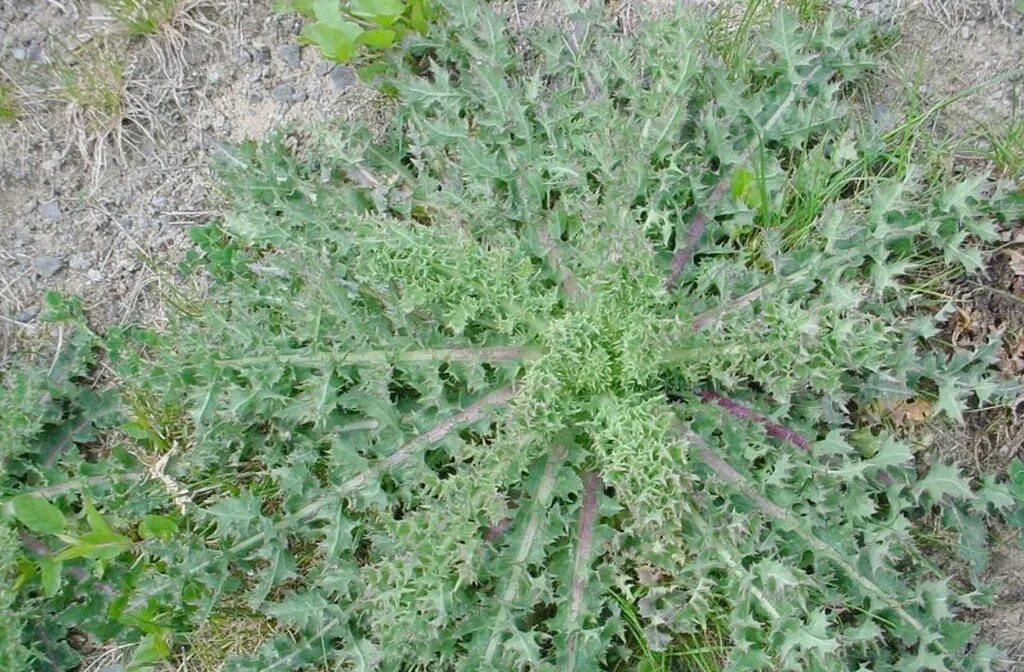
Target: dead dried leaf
<point>913,411</point>
<point>963,323</point>
<point>1016,262</point>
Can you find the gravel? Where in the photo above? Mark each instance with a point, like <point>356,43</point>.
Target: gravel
<point>291,54</point>
<point>47,266</point>
<point>261,55</point>
<point>283,93</point>
<point>50,210</point>
<point>26,315</point>
<point>344,77</point>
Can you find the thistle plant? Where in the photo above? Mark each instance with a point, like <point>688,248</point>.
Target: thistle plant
<point>556,372</point>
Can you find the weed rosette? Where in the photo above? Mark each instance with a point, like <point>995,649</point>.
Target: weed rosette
<point>567,371</point>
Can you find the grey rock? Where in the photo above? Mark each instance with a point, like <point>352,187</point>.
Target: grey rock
<point>159,202</point>
<point>94,275</point>
<point>283,93</point>
<point>291,54</point>
<point>50,210</point>
<point>261,55</point>
<point>79,262</point>
<point>26,315</point>
<point>322,68</point>
<point>19,53</point>
<point>298,96</point>
<point>344,77</point>
<point>35,51</point>
<point>47,266</point>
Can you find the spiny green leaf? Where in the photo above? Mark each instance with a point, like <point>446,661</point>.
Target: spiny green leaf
<point>153,648</point>
<point>942,480</point>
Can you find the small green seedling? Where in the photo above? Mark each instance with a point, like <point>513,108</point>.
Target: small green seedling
<point>140,17</point>
<point>341,28</point>
<point>8,105</point>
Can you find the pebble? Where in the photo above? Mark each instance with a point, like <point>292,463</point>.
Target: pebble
<point>27,314</point>
<point>79,262</point>
<point>283,93</point>
<point>322,68</point>
<point>344,77</point>
<point>965,33</point>
<point>291,54</point>
<point>261,55</point>
<point>47,266</point>
<point>298,96</point>
<point>50,210</point>
<point>94,275</point>
<point>19,53</point>
<point>159,202</point>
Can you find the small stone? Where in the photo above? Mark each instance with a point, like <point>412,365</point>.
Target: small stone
<point>35,51</point>
<point>344,77</point>
<point>159,202</point>
<point>47,266</point>
<point>322,68</point>
<point>261,55</point>
<point>283,93</point>
<point>94,275</point>
<point>19,53</point>
<point>298,96</point>
<point>50,210</point>
<point>256,76</point>
<point>965,33</point>
<point>26,315</point>
<point>79,262</point>
<point>291,54</point>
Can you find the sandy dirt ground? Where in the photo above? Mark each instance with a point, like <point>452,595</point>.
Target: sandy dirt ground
<point>100,208</point>
<point>98,204</point>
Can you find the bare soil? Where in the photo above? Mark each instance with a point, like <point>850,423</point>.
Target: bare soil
<point>80,214</point>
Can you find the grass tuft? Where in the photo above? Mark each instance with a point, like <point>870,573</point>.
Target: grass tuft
<point>9,108</point>
<point>141,17</point>
<point>1006,147</point>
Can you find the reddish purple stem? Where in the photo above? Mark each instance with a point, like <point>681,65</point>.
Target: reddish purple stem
<point>496,530</point>
<point>742,412</point>
<point>684,252</point>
